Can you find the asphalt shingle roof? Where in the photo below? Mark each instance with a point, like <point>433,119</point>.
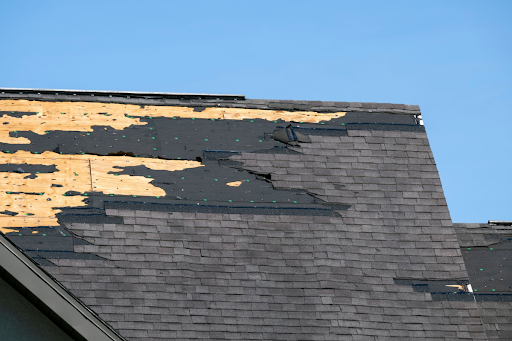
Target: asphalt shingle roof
<point>347,236</point>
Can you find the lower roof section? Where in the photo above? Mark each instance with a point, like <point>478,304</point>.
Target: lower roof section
<point>487,250</point>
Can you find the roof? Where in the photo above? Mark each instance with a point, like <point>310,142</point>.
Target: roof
<point>486,248</point>
<point>209,217</point>
<point>44,292</point>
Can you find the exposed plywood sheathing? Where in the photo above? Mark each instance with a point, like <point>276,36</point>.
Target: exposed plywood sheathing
<point>5,230</point>
<point>460,287</point>
<point>36,202</point>
<point>235,183</point>
<point>82,116</point>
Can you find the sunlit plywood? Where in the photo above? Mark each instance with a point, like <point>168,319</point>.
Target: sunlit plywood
<point>37,202</point>
<point>82,116</point>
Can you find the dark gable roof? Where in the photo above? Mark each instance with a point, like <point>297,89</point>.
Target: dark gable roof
<point>285,228</point>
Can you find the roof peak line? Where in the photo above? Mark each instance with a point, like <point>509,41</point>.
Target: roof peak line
<point>198,100</point>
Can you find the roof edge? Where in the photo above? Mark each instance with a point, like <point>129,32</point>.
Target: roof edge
<point>201,100</point>
<point>119,93</point>
<point>83,320</point>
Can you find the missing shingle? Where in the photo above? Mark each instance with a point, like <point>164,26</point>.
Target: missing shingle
<point>437,287</point>
<point>289,136</point>
<point>261,176</point>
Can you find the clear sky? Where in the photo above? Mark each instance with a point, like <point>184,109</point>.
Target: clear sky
<point>453,58</point>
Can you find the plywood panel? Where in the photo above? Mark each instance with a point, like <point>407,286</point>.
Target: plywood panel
<point>36,202</point>
<point>81,116</point>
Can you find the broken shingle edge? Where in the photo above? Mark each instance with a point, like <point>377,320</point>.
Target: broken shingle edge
<point>201,100</point>
<point>73,312</point>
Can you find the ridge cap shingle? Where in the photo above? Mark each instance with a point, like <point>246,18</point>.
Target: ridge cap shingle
<point>222,100</point>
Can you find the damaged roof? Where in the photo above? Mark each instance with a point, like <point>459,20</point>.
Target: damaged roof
<point>195,216</point>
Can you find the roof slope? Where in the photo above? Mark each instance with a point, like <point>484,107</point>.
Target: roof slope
<point>35,289</point>
<point>240,219</point>
<point>486,249</point>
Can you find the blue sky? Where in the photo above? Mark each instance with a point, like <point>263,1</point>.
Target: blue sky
<point>451,58</point>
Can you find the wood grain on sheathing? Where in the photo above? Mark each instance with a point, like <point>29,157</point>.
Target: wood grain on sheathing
<point>34,201</point>
<point>81,116</point>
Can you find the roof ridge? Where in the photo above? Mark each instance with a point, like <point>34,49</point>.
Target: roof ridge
<point>199,100</point>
